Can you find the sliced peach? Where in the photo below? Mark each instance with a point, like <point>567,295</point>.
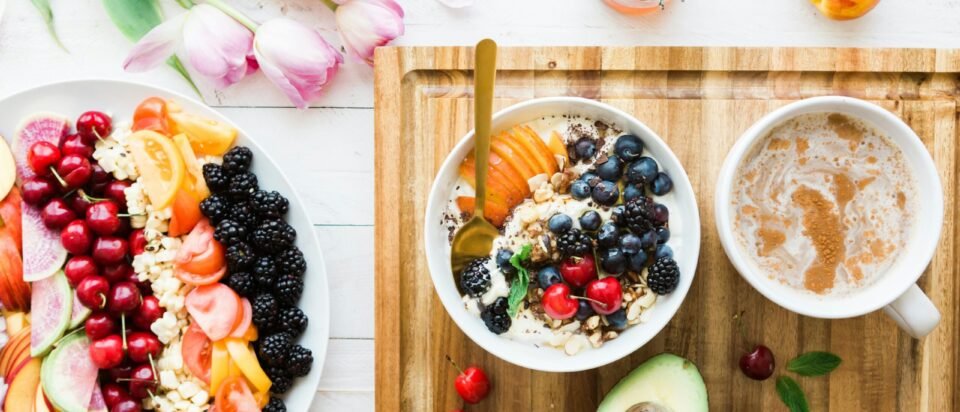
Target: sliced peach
<point>497,184</point>
<point>494,212</point>
<point>516,160</point>
<point>538,147</point>
<point>557,147</point>
<point>521,150</point>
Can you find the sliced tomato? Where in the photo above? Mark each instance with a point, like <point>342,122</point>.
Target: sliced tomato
<point>196,350</point>
<point>234,395</point>
<point>214,308</point>
<point>197,279</point>
<point>151,114</point>
<point>244,320</point>
<point>200,259</point>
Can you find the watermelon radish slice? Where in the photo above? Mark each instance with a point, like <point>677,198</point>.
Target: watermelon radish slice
<point>43,254</point>
<point>78,314</point>
<point>97,403</point>
<point>69,376</point>
<point>52,303</point>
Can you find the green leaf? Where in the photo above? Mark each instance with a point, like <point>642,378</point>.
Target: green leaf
<point>791,394</point>
<point>814,363</point>
<point>518,289</point>
<point>43,6</point>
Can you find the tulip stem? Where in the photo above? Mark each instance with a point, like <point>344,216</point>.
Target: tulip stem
<point>333,6</point>
<point>187,4</point>
<point>236,14</point>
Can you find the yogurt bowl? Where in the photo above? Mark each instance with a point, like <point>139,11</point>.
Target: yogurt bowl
<point>528,350</point>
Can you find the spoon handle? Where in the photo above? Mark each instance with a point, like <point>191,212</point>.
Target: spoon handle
<point>485,71</point>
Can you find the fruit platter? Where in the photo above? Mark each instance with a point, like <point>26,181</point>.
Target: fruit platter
<point>167,264</point>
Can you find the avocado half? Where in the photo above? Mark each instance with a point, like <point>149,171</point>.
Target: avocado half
<point>664,383</point>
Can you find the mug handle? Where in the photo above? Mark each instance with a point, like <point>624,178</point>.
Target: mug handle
<point>914,312</point>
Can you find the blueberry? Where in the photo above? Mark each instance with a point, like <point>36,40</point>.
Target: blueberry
<point>642,170</point>
<point>648,240</point>
<point>613,261</point>
<point>630,244</point>
<point>617,215</point>
<point>547,276</point>
<point>580,190</point>
<point>660,214</point>
<point>591,178</point>
<point>663,250</point>
<point>559,223</point>
<point>609,235</point>
<point>590,220</point>
<point>638,261</point>
<point>585,148</point>
<point>632,191</point>
<point>628,147</point>
<point>618,319</point>
<point>606,193</point>
<point>584,311</point>
<point>663,235</point>
<point>611,170</point>
<point>503,262</point>
<point>661,184</point>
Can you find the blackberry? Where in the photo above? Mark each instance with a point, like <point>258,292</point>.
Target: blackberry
<point>280,379</point>
<point>242,185</point>
<point>291,261</point>
<point>215,207</point>
<point>230,232</point>
<point>274,349</point>
<point>638,215</point>
<point>237,160</point>
<point>240,256</point>
<point>663,276</point>
<point>288,289</point>
<point>264,312</point>
<point>242,213</point>
<point>269,204</point>
<point>293,320</point>
<point>217,180</point>
<point>299,361</point>
<point>475,278</point>
<point>241,282</point>
<point>574,243</point>
<point>264,272</point>
<point>495,316</point>
<point>273,236</point>
<point>275,405</point>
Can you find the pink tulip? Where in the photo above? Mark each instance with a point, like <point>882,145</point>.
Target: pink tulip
<point>367,24</point>
<point>213,44</point>
<point>296,59</point>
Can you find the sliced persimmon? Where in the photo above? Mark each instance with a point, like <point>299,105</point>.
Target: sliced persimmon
<point>494,212</point>
<point>526,136</point>
<point>496,184</point>
<point>557,147</point>
<point>514,159</point>
<point>511,175</point>
<point>528,157</point>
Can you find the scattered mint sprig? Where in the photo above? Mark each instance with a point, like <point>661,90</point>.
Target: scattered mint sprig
<point>814,364</point>
<point>518,289</point>
<point>791,394</point>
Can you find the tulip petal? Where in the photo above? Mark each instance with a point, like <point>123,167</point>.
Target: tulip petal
<point>367,24</point>
<point>456,4</point>
<point>296,58</point>
<point>156,46</point>
<point>217,46</point>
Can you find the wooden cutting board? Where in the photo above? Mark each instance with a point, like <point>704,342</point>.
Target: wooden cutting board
<point>699,100</point>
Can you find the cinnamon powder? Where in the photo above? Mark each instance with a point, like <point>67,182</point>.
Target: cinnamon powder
<point>822,226</point>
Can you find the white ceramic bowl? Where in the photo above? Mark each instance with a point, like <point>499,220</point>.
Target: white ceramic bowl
<point>684,229</point>
<point>119,98</point>
<point>909,264</point>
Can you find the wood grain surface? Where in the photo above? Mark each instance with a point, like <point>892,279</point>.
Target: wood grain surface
<point>699,100</point>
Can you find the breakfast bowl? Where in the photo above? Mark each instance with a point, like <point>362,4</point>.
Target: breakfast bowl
<point>682,236</point>
<point>894,289</point>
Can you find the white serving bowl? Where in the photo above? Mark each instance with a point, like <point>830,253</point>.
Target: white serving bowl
<point>684,229</point>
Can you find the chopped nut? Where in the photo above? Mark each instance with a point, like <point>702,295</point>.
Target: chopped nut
<point>559,339</point>
<point>536,181</point>
<point>634,321</point>
<point>543,194</point>
<point>647,299</point>
<point>645,316</point>
<point>593,322</point>
<point>556,323</point>
<point>572,347</point>
<point>633,312</point>
<point>610,335</point>
<point>570,327</point>
<point>529,215</point>
<point>595,339</point>
<point>627,296</point>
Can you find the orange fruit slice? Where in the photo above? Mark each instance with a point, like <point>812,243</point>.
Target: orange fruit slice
<point>160,164</point>
<point>206,136</point>
<point>194,180</point>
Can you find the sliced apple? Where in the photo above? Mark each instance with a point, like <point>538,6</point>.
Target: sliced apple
<point>521,151</point>
<point>495,212</point>
<point>496,183</point>
<point>557,147</point>
<point>535,145</point>
<point>40,401</point>
<point>22,392</point>
<point>16,321</point>
<point>8,168</point>
<point>15,351</point>
<point>505,169</point>
<point>498,146</point>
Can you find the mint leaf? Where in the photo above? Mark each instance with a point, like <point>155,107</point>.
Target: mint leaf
<point>518,289</point>
<point>814,363</point>
<point>791,394</point>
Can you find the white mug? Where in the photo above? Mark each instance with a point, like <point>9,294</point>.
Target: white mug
<point>895,290</point>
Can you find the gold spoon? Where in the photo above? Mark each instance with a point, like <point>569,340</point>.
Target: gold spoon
<point>475,239</point>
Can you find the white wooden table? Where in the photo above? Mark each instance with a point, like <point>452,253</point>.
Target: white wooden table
<point>339,189</point>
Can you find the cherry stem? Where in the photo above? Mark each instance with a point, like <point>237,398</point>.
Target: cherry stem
<point>130,214</point>
<point>136,380</point>
<point>89,198</point>
<point>603,305</point>
<point>743,329</point>
<point>57,175</point>
<point>123,330</point>
<point>153,366</point>
<point>103,300</point>
<point>454,364</point>
<point>96,133</point>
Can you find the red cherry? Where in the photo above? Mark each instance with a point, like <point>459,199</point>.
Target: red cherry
<point>126,405</point>
<point>42,156</point>
<point>578,271</point>
<point>92,292</point>
<point>37,190</point>
<point>142,381</point>
<point>144,286</point>
<point>78,268</point>
<point>79,202</point>
<point>99,179</point>
<point>76,237</point>
<point>606,295</point>
<point>114,191</point>
<point>759,364</point>
<point>141,346</point>
<point>123,298</point>
<point>472,384</point>
<point>109,249</point>
<point>102,217</point>
<point>93,126</point>
<point>100,325</point>
<point>114,394</point>
<point>107,352</point>
<point>148,313</point>
<point>120,373</point>
<point>117,272</point>
<point>557,302</point>
<point>75,171</point>
<point>73,144</point>
<point>137,241</point>
<point>57,214</point>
